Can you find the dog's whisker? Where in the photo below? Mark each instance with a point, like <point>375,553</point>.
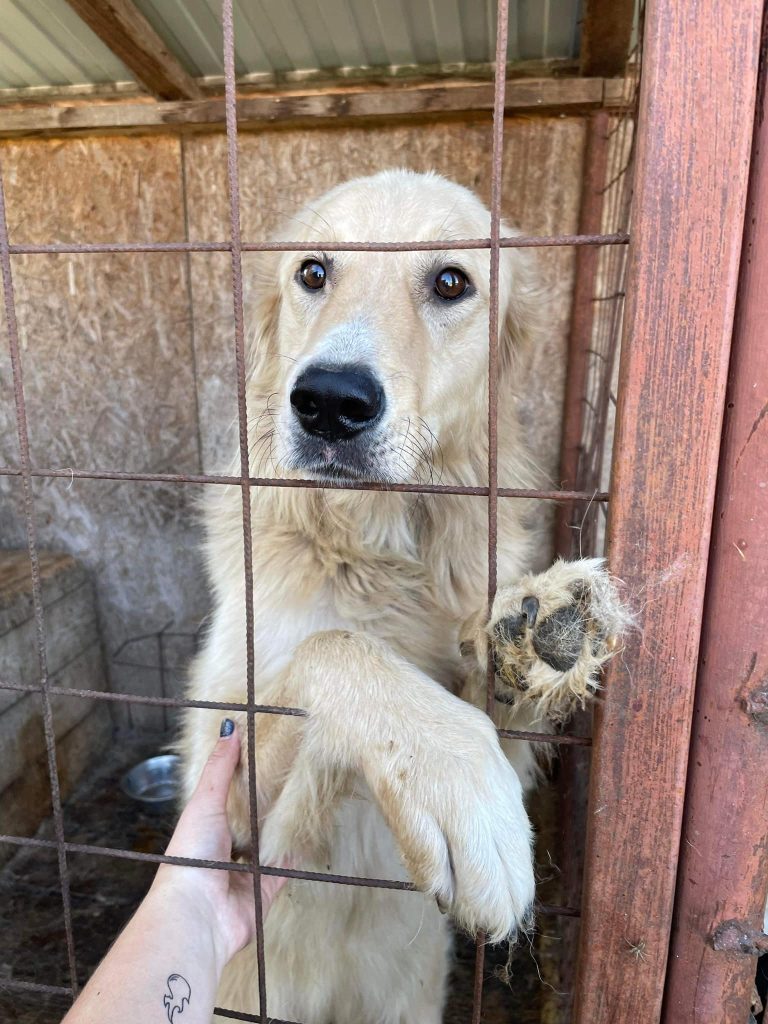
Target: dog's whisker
<point>434,445</point>
<point>264,444</point>
<point>268,456</point>
<point>258,442</point>
<point>420,449</point>
<point>266,411</point>
<point>417,460</point>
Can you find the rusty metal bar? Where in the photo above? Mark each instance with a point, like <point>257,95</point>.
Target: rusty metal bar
<point>558,739</point>
<point>723,874</point>
<point>507,242</point>
<point>582,319</point>
<point>687,220</point>
<point>216,865</point>
<point>31,986</point>
<point>37,593</point>
<point>11,985</point>
<point>241,868</point>
<point>497,158</point>
<point>336,485</point>
<point>256,1018</point>
<point>176,702</point>
<point>233,189</point>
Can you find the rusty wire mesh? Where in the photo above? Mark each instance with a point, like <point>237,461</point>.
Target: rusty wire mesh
<point>601,344</point>
<point>591,488</point>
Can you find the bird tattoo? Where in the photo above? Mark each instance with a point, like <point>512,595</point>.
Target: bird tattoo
<point>176,998</point>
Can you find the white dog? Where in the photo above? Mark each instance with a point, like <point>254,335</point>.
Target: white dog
<point>373,366</point>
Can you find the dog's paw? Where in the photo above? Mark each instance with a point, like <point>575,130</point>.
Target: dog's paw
<point>550,634</point>
<point>457,813</point>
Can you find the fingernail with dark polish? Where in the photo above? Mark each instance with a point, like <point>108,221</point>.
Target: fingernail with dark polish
<point>227,727</point>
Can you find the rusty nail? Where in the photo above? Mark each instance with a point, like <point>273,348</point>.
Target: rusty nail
<point>739,937</point>
<point>756,704</point>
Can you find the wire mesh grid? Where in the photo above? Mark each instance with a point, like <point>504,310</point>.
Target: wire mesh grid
<point>602,340</point>
<point>605,331</point>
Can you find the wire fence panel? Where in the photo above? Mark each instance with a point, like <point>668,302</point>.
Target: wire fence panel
<point>607,244</point>
<point>668,294</point>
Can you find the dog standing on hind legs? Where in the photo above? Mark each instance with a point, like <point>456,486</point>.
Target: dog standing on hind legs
<point>369,606</point>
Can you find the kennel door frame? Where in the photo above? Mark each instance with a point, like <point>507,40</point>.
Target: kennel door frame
<point>699,69</point>
<point>723,873</point>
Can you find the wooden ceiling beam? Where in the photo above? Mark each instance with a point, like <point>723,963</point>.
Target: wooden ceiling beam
<point>336,106</point>
<point>126,32</point>
<point>606,31</point>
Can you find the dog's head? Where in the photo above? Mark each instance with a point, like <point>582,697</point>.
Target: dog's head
<point>370,365</point>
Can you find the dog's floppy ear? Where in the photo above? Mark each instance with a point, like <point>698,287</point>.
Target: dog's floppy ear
<point>262,309</point>
<point>522,315</point>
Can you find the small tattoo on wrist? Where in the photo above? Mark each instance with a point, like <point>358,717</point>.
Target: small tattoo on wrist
<point>176,998</point>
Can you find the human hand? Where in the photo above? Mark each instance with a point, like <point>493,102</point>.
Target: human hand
<point>223,899</point>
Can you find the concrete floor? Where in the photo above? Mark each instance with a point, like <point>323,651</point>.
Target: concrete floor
<point>105,891</point>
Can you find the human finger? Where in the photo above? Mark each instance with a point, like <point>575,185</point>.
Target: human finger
<point>208,802</point>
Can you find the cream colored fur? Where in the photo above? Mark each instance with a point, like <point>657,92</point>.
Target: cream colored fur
<point>359,604</point>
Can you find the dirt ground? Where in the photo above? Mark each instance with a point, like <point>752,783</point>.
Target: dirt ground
<point>105,891</point>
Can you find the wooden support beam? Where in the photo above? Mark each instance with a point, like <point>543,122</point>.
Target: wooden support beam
<point>304,79</point>
<point>606,30</point>
<point>292,109</point>
<point>123,28</point>
<point>724,853</point>
<point>683,267</point>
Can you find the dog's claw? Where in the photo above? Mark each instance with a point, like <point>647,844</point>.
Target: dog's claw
<point>530,610</point>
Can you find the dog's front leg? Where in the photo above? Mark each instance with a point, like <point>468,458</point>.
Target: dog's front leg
<point>549,636</point>
<point>431,761</point>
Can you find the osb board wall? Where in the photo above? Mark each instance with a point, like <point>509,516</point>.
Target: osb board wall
<point>128,359</point>
<point>109,376</point>
<point>74,655</point>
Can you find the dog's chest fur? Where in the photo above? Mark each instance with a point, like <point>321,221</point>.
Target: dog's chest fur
<point>359,565</point>
<point>406,569</point>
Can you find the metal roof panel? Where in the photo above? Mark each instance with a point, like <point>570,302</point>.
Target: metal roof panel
<point>43,42</point>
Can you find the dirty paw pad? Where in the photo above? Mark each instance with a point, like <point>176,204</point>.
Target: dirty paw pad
<point>550,634</point>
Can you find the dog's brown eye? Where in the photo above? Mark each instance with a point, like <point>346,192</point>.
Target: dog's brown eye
<point>312,274</point>
<point>451,283</point>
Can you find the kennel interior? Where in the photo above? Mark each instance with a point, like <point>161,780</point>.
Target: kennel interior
<point>131,195</point>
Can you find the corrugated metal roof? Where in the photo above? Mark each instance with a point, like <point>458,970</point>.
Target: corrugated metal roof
<point>43,42</point>
<point>293,35</point>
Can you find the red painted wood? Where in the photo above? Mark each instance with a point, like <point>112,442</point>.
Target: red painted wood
<point>723,871</point>
<point>694,138</point>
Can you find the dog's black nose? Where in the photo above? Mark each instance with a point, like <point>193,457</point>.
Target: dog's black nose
<point>336,403</point>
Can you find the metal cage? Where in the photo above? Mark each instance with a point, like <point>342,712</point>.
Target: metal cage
<point>679,272</point>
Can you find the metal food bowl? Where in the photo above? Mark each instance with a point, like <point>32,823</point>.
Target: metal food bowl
<point>154,783</point>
